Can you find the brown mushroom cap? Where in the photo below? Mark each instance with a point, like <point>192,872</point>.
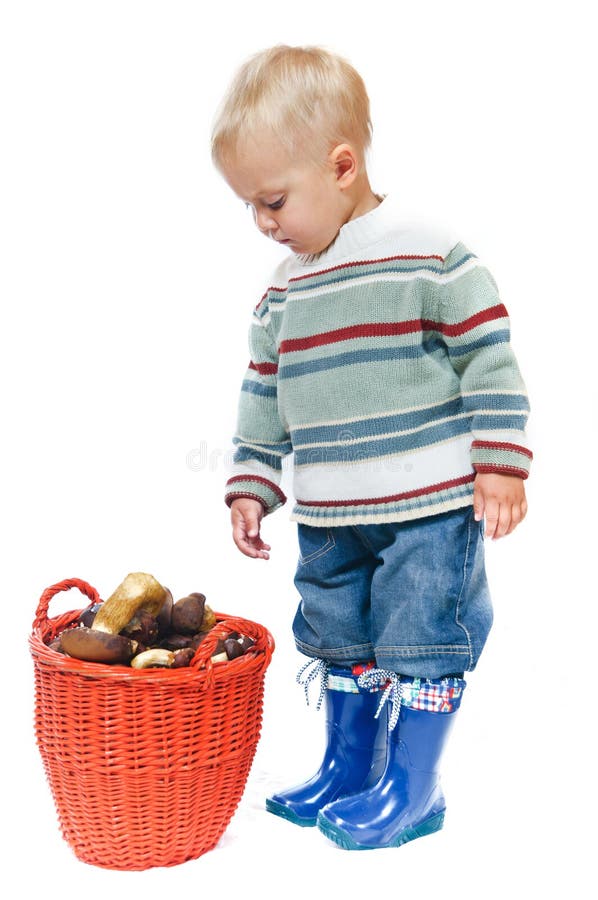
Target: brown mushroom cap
<point>165,614</point>
<point>97,646</point>
<point>233,648</point>
<point>246,642</point>
<point>175,642</point>
<point>188,614</point>
<point>87,615</point>
<point>183,657</point>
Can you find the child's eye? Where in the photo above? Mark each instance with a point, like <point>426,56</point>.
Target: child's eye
<point>277,204</point>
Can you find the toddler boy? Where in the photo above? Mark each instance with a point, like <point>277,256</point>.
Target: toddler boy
<point>380,357</point>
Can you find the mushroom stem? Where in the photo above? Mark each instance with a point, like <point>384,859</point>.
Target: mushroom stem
<point>138,591</point>
<point>156,657</point>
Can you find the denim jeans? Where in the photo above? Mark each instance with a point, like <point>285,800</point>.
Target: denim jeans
<point>412,595</point>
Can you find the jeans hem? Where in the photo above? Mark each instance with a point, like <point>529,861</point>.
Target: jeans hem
<point>427,662</point>
<point>354,654</point>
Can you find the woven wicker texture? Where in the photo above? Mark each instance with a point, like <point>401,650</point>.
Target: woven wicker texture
<point>146,767</point>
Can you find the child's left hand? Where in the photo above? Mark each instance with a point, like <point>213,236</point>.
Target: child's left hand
<point>501,499</point>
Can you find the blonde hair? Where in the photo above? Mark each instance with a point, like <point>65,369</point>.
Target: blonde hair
<point>306,98</point>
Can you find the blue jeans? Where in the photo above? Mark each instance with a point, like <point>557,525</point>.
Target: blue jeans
<point>412,595</point>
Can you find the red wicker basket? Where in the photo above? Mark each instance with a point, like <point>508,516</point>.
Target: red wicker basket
<point>146,767</point>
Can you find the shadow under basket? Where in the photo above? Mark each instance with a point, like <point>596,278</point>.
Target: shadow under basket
<point>146,767</point>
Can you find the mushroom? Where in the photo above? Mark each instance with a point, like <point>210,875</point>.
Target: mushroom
<point>154,658</point>
<point>138,591</point>
<point>56,645</point>
<point>143,628</point>
<point>233,648</point>
<point>97,646</point>
<point>188,614</point>
<point>176,642</point>
<point>246,642</point>
<point>165,614</point>
<point>183,657</point>
<point>209,619</point>
<point>87,615</point>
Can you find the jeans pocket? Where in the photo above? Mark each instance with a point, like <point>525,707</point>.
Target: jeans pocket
<point>314,543</point>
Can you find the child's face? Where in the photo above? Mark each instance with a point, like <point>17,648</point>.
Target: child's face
<point>297,204</point>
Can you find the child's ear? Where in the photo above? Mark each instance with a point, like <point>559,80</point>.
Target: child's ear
<point>344,163</point>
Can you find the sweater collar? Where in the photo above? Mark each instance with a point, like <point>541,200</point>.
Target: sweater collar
<point>356,234</point>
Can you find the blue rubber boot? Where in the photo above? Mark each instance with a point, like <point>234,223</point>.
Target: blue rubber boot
<point>407,802</point>
<point>354,756</point>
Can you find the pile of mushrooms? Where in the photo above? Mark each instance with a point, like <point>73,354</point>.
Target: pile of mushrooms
<point>140,625</point>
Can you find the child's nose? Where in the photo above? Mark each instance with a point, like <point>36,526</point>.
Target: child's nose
<point>264,220</point>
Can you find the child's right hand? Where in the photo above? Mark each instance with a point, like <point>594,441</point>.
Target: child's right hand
<point>246,515</point>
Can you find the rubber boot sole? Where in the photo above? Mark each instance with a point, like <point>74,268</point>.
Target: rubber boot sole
<point>278,809</point>
<point>344,840</point>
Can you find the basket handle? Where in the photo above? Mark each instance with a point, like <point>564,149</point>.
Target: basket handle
<point>203,654</point>
<point>41,616</point>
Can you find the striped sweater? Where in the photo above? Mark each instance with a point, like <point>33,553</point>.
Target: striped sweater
<point>384,365</point>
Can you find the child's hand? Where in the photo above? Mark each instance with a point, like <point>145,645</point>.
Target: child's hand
<point>246,515</point>
<point>501,499</point>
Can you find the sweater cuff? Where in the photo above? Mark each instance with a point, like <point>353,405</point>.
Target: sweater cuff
<point>501,458</point>
<point>257,488</point>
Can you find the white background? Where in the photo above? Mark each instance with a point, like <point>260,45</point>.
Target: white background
<point>129,272</point>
